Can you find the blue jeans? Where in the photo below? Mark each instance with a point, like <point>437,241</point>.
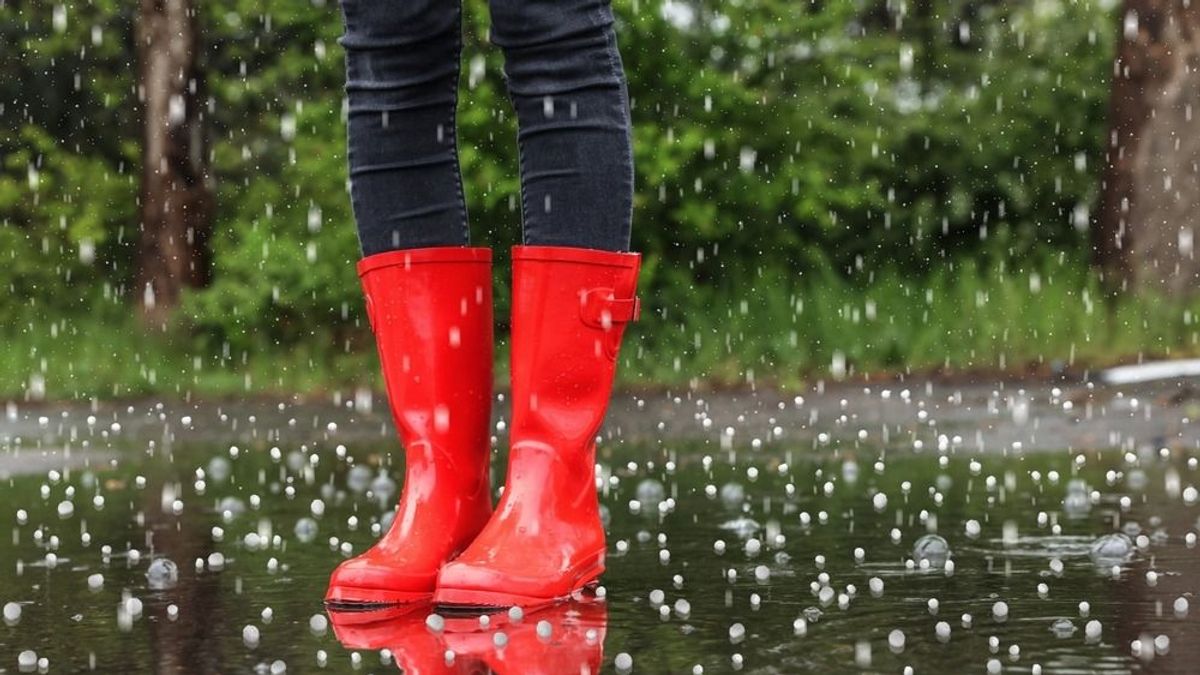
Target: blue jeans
<point>566,82</point>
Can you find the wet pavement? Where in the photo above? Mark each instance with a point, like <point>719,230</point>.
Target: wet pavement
<point>762,532</point>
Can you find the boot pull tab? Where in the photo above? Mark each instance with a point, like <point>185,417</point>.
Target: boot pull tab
<point>599,309</point>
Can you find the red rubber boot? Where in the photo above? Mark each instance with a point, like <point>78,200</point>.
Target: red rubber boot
<point>545,541</point>
<point>431,311</point>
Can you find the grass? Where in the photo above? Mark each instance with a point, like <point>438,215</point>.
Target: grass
<point>960,318</point>
<point>778,328</point>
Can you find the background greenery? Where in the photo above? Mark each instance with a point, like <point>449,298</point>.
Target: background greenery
<point>876,184</point>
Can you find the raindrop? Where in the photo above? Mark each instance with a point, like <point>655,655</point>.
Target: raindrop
<point>875,584</point>
<point>1181,607</point>
<point>12,613</point>
<point>318,623</point>
<point>896,641</point>
<point>250,636</point>
<point>1000,611</point>
<point>650,492</point>
<point>732,495</point>
<point>879,501</point>
<point>306,529</point>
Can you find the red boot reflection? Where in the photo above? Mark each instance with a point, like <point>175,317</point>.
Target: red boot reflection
<point>566,638</point>
<point>416,649</point>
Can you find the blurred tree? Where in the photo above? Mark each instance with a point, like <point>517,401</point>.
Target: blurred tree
<point>1150,201</point>
<point>176,192</point>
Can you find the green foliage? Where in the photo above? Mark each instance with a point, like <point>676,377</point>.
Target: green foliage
<point>969,315</point>
<point>67,152</point>
<point>824,155</point>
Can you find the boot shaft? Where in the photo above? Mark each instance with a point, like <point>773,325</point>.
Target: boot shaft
<point>431,313</point>
<point>570,309</point>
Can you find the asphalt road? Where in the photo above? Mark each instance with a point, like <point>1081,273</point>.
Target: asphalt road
<point>926,416</point>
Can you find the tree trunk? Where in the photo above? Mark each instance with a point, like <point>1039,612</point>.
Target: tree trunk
<point>1150,199</point>
<point>176,191</point>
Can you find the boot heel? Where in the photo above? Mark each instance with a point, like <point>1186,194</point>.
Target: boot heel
<point>590,571</point>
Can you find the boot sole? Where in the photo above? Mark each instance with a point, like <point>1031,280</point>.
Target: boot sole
<point>345,616</point>
<point>353,598</point>
<point>461,599</point>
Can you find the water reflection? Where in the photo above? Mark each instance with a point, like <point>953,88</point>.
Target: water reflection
<point>774,559</point>
<point>563,638</point>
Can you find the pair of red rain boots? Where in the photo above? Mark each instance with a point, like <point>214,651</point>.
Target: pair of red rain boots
<point>431,311</point>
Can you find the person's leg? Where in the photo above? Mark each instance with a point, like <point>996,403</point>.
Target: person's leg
<point>573,294</point>
<point>429,304</point>
<point>567,85</point>
<point>402,65</point>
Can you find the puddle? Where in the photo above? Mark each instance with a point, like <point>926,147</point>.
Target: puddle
<point>197,555</point>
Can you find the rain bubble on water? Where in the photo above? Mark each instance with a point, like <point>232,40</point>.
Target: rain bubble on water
<point>931,549</point>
